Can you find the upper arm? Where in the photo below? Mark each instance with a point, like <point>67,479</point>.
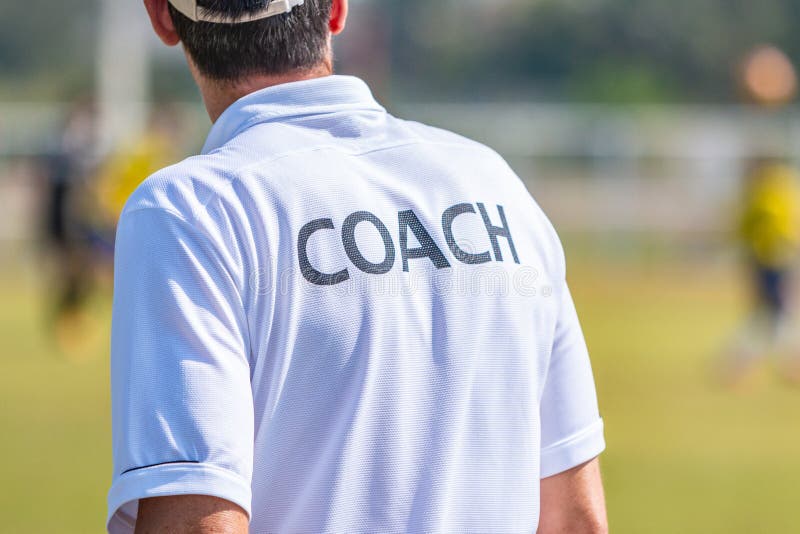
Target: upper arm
<point>190,514</point>
<point>573,502</point>
<point>571,427</point>
<point>571,491</point>
<point>182,409</point>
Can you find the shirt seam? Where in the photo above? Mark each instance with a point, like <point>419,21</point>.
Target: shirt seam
<point>125,480</point>
<point>233,174</point>
<point>576,437</point>
<point>267,118</point>
<point>186,464</point>
<point>160,464</point>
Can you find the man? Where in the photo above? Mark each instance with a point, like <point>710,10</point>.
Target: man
<point>769,231</point>
<point>337,321</point>
<point>68,166</point>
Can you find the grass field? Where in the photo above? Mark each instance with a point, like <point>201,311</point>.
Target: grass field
<point>684,455</point>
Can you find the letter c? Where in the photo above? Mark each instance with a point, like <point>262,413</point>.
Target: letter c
<point>309,272</point>
<point>447,225</point>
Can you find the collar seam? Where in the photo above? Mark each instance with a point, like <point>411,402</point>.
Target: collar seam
<point>267,117</point>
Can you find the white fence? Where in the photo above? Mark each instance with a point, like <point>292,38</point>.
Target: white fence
<point>670,170</point>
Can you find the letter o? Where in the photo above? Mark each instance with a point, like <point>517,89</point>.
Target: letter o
<point>351,247</point>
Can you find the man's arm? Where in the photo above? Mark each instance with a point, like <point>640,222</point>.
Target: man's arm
<point>182,405</point>
<point>573,502</point>
<point>190,514</point>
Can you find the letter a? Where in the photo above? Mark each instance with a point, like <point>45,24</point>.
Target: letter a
<point>428,248</point>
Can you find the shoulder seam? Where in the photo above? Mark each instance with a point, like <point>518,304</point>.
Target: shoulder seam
<point>319,148</point>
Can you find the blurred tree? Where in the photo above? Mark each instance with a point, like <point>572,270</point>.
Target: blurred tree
<point>597,50</point>
<point>606,50</point>
<point>46,48</point>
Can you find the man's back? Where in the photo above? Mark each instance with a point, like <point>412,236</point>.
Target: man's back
<point>364,326</point>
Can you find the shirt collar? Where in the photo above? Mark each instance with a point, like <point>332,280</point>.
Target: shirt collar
<point>291,100</point>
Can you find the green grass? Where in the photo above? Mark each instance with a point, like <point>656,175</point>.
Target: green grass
<point>684,455</point>
<point>55,455</point>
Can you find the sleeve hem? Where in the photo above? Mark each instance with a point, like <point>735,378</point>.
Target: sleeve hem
<point>573,451</point>
<point>169,480</point>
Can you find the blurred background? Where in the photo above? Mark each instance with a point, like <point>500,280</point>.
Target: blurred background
<point>660,137</point>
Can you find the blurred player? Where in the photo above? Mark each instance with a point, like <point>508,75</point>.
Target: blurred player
<point>769,227</point>
<point>770,234</point>
<point>85,199</point>
<point>69,166</point>
<point>157,147</point>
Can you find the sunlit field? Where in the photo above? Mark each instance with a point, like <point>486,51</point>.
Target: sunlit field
<point>684,455</point>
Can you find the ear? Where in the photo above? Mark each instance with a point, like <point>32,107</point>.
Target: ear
<point>161,20</point>
<point>338,16</point>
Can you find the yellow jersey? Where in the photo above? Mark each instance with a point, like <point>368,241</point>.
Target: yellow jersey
<point>125,170</point>
<point>770,220</point>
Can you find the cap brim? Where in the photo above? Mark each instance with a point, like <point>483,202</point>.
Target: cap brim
<point>190,9</point>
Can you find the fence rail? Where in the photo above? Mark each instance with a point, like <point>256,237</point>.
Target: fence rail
<point>673,170</point>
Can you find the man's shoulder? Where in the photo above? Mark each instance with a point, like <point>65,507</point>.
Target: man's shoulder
<point>442,136</point>
<point>182,189</point>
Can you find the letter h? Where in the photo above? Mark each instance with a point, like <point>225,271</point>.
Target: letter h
<point>498,231</point>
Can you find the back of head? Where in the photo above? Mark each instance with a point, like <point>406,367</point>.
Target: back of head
<point>294,42</point>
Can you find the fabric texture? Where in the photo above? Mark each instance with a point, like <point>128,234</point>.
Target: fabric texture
<point>344,322</point>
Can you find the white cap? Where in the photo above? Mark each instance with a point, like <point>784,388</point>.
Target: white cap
<point>199,14</point>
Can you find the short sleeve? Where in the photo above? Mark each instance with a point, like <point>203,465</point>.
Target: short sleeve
<point>572,430</point>
<point>182,410</point>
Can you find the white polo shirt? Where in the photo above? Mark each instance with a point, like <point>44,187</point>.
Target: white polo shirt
<point>344,322</point>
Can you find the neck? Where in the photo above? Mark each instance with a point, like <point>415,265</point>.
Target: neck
<point>219,95</point>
